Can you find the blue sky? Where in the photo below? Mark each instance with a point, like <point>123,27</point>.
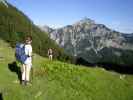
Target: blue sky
<point>116,14</point>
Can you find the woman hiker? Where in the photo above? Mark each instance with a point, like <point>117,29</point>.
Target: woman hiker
<point>26,66</point>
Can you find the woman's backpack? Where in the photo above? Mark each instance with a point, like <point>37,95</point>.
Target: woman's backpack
<point>20,52</point>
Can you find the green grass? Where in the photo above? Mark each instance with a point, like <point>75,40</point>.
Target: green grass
<point>54,80</point>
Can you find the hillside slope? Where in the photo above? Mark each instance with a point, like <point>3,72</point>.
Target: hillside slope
<point>54,80</point>
<point>15,26</point>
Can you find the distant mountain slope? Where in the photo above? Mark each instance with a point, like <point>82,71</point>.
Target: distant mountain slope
<point>61,81</point>
<point>46,29</point>
<point>95,43</point>
<point>15,25</point>
<point>128,37</point>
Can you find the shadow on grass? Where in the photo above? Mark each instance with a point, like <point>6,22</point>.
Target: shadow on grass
<point>15,68</point>
<point>123,69</point>
<point>1,97</point>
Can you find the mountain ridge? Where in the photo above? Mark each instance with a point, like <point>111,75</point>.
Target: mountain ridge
<point>87,39</point>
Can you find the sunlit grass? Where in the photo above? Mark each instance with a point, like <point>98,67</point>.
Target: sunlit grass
<point>54,80</point>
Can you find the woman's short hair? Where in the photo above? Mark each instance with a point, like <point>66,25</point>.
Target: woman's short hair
<point>29,38</point>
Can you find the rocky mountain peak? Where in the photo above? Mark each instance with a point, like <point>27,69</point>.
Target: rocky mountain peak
<point>85,21</point>
<point>91,41</point>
